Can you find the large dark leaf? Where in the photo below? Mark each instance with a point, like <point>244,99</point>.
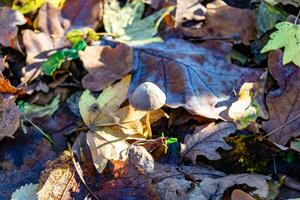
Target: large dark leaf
<point>194,77</point>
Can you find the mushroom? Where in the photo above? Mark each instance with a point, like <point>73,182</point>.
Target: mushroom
<point>147,97</point>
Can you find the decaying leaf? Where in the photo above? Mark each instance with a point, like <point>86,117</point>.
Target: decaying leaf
<point>37,45</point>
<point>283,103</point>
<point>287,36</point>
<point>26,6</point>
<point>189,11</point>
<point>9,20</point>
<point>250,105</point>
<point>127,182</point>
<point>206,140</point>
<point>9,117</point>
<point>214,188</point>
<point>126,25</point>
<point>105,65</point>
<point>223,20</point>
<point>195,77</point>
<point>6,87</point>
<point>58,181</point>
<point>26,192</point>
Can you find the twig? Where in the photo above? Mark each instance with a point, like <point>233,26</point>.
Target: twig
<point>40,130</point>
<point>78,170</point>
<point>296,20</point>
<point>283,125</point>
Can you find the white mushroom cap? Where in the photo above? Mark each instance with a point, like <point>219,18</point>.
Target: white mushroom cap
<point>147,97</point>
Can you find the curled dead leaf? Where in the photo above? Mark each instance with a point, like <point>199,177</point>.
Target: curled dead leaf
<point>206,140</point>
<point>9,20</point>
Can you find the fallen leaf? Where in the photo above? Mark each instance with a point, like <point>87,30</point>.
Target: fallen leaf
<point>75,35</point>
<point>295,145</point>
<point>6,87</point>
<point>58,180</point>
<point>206,140</point>
<point>9,117</point>
<point>126,23</point>
<point>111,125</point>
<point>27,191</point>
<point>283,103</point>
<point>194,77</point>
<point>105,65</point>
<point>190,15</point>
<point>31,111</point>
<point>286,36</point>
<point>250,105</point>
<point>267,17</point>
<point>127,182</point>
<point>37,45</point>
<point>214,188</point>
<point>26,156</point>
<point>223,20</point>
<point>9,20</point>
<point>240,195</point>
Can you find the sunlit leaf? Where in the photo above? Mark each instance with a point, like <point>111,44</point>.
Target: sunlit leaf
<point>74,36</point>
<point>126,23</point>
<point>287,36</point>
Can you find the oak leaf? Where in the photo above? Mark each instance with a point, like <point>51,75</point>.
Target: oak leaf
<point>206,140</point>
<point>9,20</point>
<point>287,36</point>
<point>195,77</point>
<point>105,65</point>
<point>284,102</point>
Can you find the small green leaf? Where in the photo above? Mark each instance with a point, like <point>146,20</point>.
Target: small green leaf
<point>127,26</point>
<point>76,35</point>
<point>287,36</point>
<point>55,61</point>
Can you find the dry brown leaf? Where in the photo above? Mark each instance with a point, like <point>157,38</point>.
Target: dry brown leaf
<point>206,140</point>
<point>127,182</point>
<point>240,195</point>
<point>223,20</point>
<point>190,15</point>
<point>57,181</point>
<point>75,14</point>
<point>194,77</point>
<point>214,188</point>
<point>9,20</point>
<point>105,65</point>
<point>35,44</point>
<point>6,87</point>
<point>283,103</point>
<point>9,117</point>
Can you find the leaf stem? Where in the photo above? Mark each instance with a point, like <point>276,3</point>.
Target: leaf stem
<point>296,20</point>
<point>283,125</point>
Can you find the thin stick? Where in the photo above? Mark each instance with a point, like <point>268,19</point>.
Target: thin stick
<point>283,125</point>
<point>42,132</point>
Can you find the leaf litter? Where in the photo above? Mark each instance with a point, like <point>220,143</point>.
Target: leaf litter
<point>149,99</point>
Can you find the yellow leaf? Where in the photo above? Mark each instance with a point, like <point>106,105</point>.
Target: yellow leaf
<point>27,6</point>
